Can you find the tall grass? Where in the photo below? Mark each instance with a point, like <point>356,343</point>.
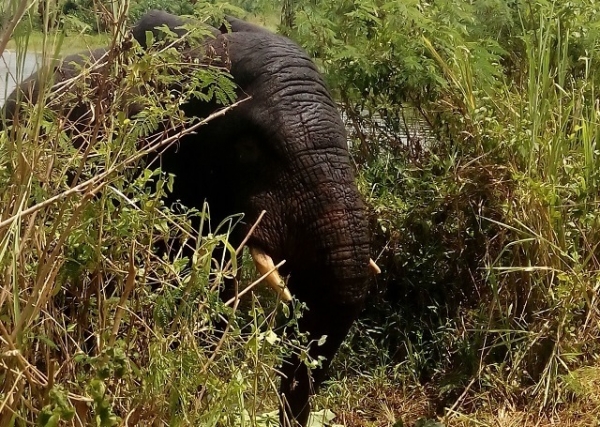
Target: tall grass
<point>97,328</point>
<point>537,324</point>
<point>488,231</point>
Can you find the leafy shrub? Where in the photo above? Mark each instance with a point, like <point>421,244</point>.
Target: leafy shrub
<point>179,7</point>
<point>95,326</point>
<point>473,124</point>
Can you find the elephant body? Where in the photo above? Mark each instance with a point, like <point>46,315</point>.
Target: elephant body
<point>284,151</point>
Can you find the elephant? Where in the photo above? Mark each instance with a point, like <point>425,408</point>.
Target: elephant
<point>285,152</point>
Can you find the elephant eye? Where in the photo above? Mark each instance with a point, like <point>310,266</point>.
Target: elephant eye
<point>247,150</point>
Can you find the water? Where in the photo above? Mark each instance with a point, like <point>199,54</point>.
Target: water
<point>412,133</point>
<point>14,69</point>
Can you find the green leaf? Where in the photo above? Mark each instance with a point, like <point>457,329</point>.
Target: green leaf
<point>271,337</point>
<point>424,422</point>
<point>320,418</point>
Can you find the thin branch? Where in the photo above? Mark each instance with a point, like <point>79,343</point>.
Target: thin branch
<point>256,282</point>
<point>10,27</point>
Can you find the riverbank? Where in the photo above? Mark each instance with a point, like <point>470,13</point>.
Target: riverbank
<point>35,43</point>
<point>64,44</point>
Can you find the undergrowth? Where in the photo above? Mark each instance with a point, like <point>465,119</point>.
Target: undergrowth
<point>474,126</point>
<point>96,326</point>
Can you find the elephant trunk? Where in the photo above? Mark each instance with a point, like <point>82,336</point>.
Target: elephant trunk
<point>328,245</point>
<point>311,198</point>
<point>342,253</point>
<point>333,287</point>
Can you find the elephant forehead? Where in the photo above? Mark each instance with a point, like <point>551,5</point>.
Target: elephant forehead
<point>297,123</point>
<point>272,63</point>
<point>290,102</point>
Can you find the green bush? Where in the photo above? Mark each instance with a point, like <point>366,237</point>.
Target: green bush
<point>94,324</point>
<point>474,126</point>
<point>178,7</point>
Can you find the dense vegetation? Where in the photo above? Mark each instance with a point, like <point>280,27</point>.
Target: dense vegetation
<point>474,128</point>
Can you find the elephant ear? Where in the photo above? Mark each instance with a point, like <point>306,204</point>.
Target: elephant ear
<point>28,91</point>
<point>238,26</point>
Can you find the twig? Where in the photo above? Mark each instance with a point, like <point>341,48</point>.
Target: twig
<point>161,213</point>
<point>6,35</point>
<point>23,363</point>
<point>213,356</point>
<point>241,246</point>
<point>129,285</point>
<point>256,282</point>
<point>248,235</point>
<point>9,396</point>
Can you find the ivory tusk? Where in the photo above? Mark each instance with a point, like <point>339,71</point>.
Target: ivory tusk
<point>374,267</point>
<point>264,263</point>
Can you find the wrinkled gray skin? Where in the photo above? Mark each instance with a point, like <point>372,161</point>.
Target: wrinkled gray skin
<point>284,151</point>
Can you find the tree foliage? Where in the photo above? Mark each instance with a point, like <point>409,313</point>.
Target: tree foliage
<point>474,125</point>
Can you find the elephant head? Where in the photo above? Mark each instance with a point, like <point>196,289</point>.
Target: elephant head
<point>286,152</point>
<point>283,151</point>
